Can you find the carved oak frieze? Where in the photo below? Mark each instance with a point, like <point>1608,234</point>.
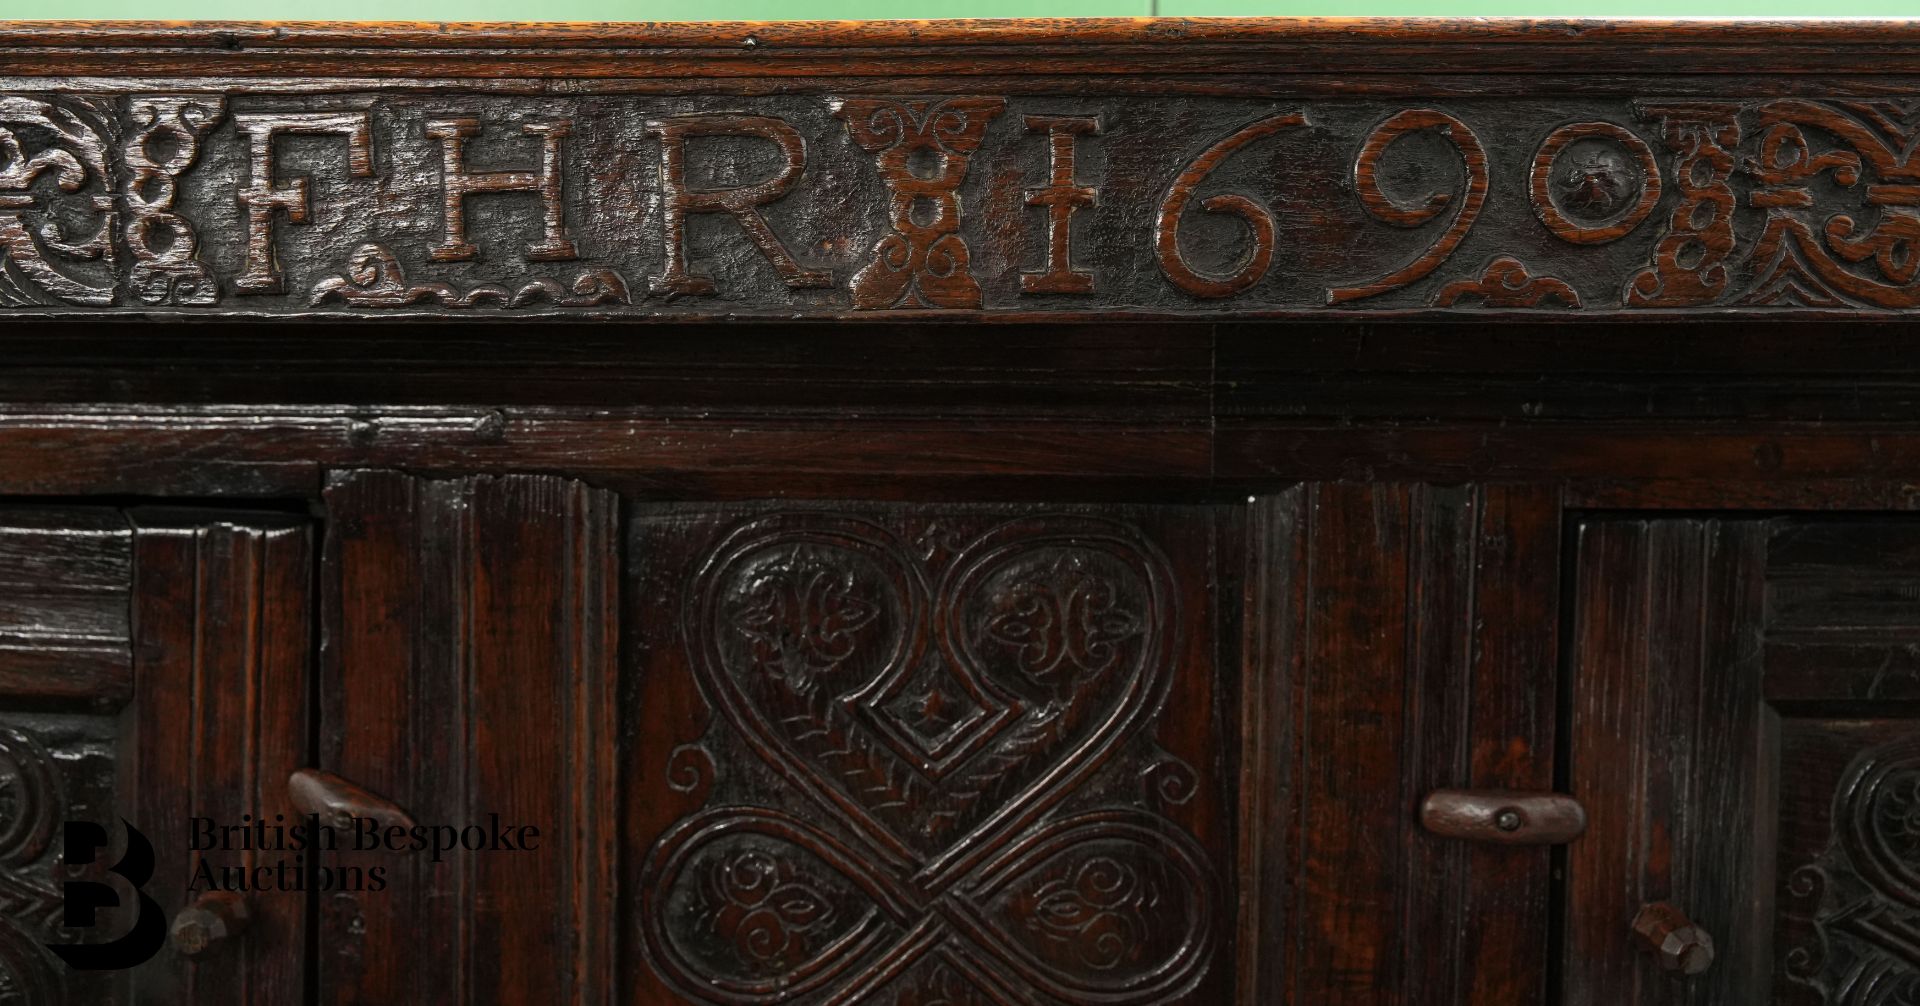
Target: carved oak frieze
<point>822,206</point>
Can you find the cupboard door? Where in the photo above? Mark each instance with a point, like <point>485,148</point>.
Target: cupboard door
<point>223,646</point>
<point>930,754</point>
<point>467,672</point>
<point>1745,725</point>
<point>1400,640</point>
<point>153,668</point>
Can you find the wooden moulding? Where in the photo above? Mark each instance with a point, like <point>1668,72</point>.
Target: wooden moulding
<point>1021,170</point>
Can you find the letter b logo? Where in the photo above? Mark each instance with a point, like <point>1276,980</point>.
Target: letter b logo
<point>85,840</point>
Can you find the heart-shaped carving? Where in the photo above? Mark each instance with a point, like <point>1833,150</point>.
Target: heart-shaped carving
<point>933,720</point>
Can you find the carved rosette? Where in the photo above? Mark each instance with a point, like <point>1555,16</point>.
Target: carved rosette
<point>935,719</point>
<point>1863,895</point>
<point>922,149</point>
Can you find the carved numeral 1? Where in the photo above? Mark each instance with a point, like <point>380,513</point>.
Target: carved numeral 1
<point>262,198</point>
<point>678,199</point>
<point>1061,197</point>
<point>458,183</point>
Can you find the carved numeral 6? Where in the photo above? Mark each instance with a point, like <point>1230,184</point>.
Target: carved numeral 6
<point>1166,227</point>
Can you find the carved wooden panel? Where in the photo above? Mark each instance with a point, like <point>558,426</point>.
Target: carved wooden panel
<point>929,754</point>
<point>152,667</point>
<point>467,671</point>
<point>473,203</point>
<point>1744,728</point>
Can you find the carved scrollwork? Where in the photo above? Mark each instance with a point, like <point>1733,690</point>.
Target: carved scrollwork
<point>1171,780</point>
<point>1805,256</point>
<point>31,808</point>
<point>1690,261</point>
<point>938,985</point>
<point>1366,179</point>
<point>1863,895</point>
<point>922,149</point>
<point>166,262</point>
<point>374,279</point>
<point>1506,283</point>
<point>934,720</point>
<point>1166,223</point>
<point>1065,620</point>
<point>66,143</point>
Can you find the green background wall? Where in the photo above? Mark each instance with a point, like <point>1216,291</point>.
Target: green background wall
<point>690,10</point>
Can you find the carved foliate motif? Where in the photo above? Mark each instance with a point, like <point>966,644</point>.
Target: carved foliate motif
<point>374,278</point>
<point>54,170</point>
<point>922,149</point>
<point>1866,888</point>
<point>1811,255</point>
<point>167,268</point>
<point>947,727</point>
<point>1505,282</point>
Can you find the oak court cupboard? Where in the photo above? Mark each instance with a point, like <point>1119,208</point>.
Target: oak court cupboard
<point>1072,513</point>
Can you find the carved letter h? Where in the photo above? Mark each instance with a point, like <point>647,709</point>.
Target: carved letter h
<point>459,183</point>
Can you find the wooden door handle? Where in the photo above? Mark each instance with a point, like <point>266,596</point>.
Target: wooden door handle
<point>211,922</point>
<point>1504,816</point>
<point>1667,933</point>
<point>338,801</point>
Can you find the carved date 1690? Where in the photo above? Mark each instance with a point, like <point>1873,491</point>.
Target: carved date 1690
<point>820,206</point>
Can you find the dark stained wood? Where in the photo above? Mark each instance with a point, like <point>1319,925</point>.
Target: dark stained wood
<point>1216,52</point>
<point>177,688</point>
<point>1666,752</point>
<point>642,382</point>
<point>65,680</point>
<point>930,753</point>
<point>467,671</point>
<point>1742,765</point>
<point>891,171</point>
<point>224,644</point>
<point>1403,640</point>
<point>66,578</point>
<point>1503,816</point>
